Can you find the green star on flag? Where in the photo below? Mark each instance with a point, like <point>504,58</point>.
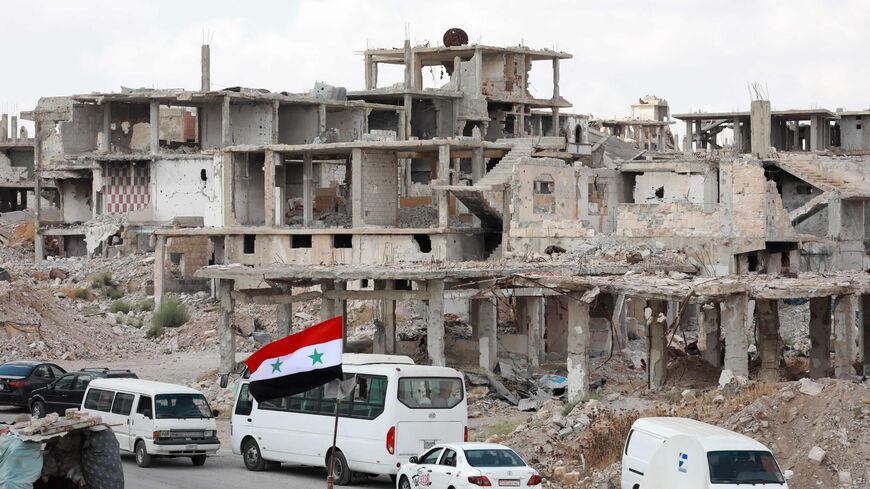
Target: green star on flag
<point>316,357</point>
<point>276,367</point>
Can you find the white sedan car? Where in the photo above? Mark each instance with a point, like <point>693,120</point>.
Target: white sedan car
<point>466,465</point>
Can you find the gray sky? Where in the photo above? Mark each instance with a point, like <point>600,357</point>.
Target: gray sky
<point>696,54</point>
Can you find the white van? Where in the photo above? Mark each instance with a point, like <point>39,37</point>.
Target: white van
<point>663,453</point>
<point>154,419</point>
<point>397,411</point>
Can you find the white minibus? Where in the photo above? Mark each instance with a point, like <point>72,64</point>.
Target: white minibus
<point>396,411</point>
<point>154,419</point>
<point>668,452</point>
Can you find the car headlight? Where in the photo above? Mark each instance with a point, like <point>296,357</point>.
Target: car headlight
<point>162,434</point>
<point>210,433</point>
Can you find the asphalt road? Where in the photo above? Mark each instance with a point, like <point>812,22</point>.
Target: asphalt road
<point>223,470</point>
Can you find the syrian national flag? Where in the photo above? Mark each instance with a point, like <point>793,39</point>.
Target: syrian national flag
<point>297,363</point>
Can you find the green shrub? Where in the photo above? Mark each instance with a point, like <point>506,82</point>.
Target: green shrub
<point>84,294</point>
<point>147,305</point>
<point>134,322</point>
<point>154,331</point>
<point>102,279</point>
<point>119,320</point>
<point>89,311</point>
<point>171,313</point>
<point>120,306</point>
<point>113,292</point>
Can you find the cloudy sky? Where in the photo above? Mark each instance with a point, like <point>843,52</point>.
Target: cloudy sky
<point>696,54</point>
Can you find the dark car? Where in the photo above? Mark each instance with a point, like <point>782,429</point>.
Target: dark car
<point>19,379</point>
<point>67,391</point>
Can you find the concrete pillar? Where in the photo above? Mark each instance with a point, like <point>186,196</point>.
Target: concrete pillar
<point>708,334</point>
<point>734,330</point>
<point>656,325</point>
<point>38,243</point>
<point>205,66</point>
<point>687,141</point>
<point>368,72</point>
<point>620,312</point>
<point>820,337</point>
<point>155,126</point>
<point>4,127</point>
<point>864,335</point>
<point>284,316</point>
<point>356,188</point>
<point>226,338</point>
<point>769,348</point>
<point>276,133</point>
<point>759,122</point>
<point>738,137</point>
<point>159,271</point>
<point>484,318</point>
<point>797,136</point>
<point>385,321</point>
<point>14,128</point>
<point>555,121</point>
<point>269,188</point>
<point>435,323</point>
<point>327,310</point>
<point>815,122</point>
<point>339,308</point>
<point>578,349</point>
<point>532,317</point>
<point>105,142</point>
<point>226,134</point>
<point>308,189</point>
<point>844,334</point>
<point>556,81</point>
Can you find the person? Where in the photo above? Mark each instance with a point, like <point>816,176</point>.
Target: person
<point>446,397</point>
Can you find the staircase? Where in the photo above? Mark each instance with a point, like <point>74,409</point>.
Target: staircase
<point>484,198</point>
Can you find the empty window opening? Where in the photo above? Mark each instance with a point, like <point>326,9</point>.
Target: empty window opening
<point>424,241</point>
<point>342,241</point>
<point>660,193</point>
<point>364,283</point>
<point>175,258</point>
<point>402,285</point>
<point>753,262</point>
<point>857,126</point>
<point>803,189</point>
<point>545,201</point>
<point>202,175</point>
<point>250,244</point>
<point>544,186</point>
<point>300,241</point>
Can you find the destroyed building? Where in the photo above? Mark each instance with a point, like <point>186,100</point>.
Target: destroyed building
<point>17,179</point>
<point>470,194</point>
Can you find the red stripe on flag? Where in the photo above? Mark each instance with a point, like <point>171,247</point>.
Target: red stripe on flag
<point>319,333</point>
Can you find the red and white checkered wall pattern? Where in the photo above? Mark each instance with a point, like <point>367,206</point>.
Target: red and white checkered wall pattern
<point>126,187</point>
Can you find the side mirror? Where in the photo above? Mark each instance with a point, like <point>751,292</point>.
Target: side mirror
<point>412,460</point>
<point>215,413</point>
<point>225,380</point>
<point>788,474</point>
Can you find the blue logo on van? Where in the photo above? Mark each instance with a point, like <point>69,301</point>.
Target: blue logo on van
<point>684,460</point>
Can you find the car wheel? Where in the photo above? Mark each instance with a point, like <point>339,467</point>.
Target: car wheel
<point>38,409</point>
<point>142,457</point>
<point>198,460</point>
<point>253,459</point>
<point>404,483</point>
<point>341,474</point>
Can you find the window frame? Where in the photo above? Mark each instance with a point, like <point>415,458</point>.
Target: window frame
<point>87,396</point>
<point>347,404</point>
<point>398,391</point>
<point>150,405</point>
<point>117,398</point>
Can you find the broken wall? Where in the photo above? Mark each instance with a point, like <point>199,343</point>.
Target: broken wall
<point>186,187</point>
<point>350,123</point>
<point>80,133</point>
<point>248,189</point>
<point>251,124</point>
<point>210,125</point>
<point>130,126</point>
<point>75,198</point>
<point>854,132</point>
<point>380,183</point>
<point>669,187</point>
<point>298,124</point>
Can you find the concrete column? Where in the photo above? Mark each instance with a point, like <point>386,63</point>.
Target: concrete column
<point>478,70</point>
<point>578,349</point>
<point>708,334</point>
<point>734,330</point>
<point>555,79</point>
<point>269,188</point>
<point>484,318</point>
<point>308,189</point>
<point>205,66</point>
<point>864,335</point>
<point>409,114</point>
<point>738,137</point>
<point>226,133</point>
<point>159,271</point>
<point>339,308</point>
<point>155,126</point>
<point>687,141</point>
<point>797,136</point>
<point>107,127</point>
<point>769,348</point>
<point>226,338</point>
<point>844,334</point>
<point>356,188</point>
<point>435,323</point>
<point>284,316</point>
<point>814,133</point>
<point>275,122</point>
<point>4,127</point>
<point>368,72</point>
<point>443,209</point>
<point>14,129</point>
<point>820,337</point>
<point>385,321</point>
<point>555,121</point>
<point>327,310</point>
<point>656,325</point>
<point>321,118</point>
<point>531,312</point>
<point>38,243</point>
<point>759,123</point>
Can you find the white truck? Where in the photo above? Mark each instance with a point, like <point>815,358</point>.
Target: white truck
<point>664,453</point>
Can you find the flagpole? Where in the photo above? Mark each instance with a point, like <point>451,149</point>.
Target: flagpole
<point>330,479</point>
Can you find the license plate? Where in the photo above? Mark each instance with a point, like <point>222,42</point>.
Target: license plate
<point>427,444</point>
<point>509,482</point>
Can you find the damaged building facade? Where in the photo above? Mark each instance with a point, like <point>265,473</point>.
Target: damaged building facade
<point>17,179</point>
<point>475,197</point>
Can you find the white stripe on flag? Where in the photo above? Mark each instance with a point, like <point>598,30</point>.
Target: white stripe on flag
<point>301,360</point>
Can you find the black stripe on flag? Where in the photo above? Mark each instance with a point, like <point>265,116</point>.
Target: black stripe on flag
<point>287,385</point>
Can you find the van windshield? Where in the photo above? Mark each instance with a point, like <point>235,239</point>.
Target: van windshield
<point>181,406</point>
<point>430,392</point>
<point>743,466</point>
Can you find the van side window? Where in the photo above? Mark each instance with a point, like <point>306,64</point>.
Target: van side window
<point>245,402</point>
<point>99,400</point>
<point>144,407</point>
<point>123,403</point>
<point>366,402</point>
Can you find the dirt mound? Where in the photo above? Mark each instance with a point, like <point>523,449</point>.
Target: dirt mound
<point>39,325</point>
